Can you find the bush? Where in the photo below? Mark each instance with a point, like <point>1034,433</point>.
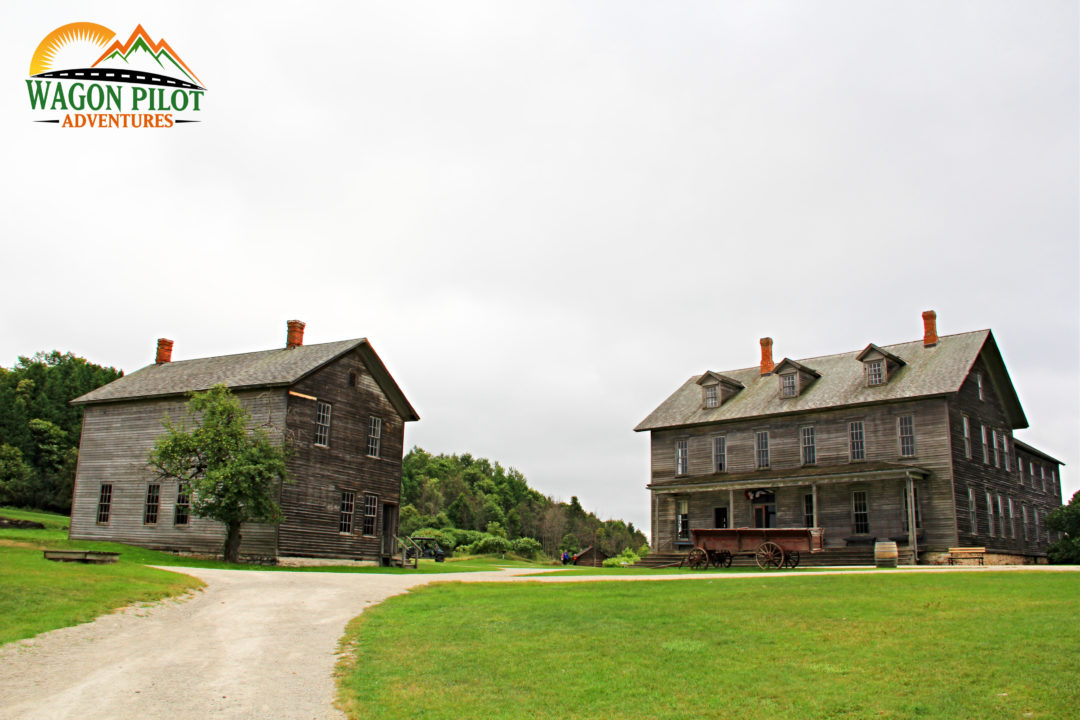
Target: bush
<point>527,547</point>
<point>488,545</point>
<point>444,538</point>
<point>463,537</point>
<point>626,557</point>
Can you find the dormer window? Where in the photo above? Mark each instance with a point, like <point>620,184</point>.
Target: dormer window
<point>712,396</point>
<point>795,378</point>
<point>879,365</point>
<point>717,389</point>
<point>875,372</point>
<point>789,386</point>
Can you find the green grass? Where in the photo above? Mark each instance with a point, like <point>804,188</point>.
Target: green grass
<point>949,645</point>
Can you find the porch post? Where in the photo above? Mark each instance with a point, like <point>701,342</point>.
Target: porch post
<point>813,491</point>
<point>913,539</point>
<point>731,508</point>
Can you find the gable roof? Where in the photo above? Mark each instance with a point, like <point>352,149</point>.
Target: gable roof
<point>928,371</point>
<point>266,368</point>
<point>788,362</point>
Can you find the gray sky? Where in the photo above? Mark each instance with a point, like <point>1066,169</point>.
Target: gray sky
<point>546,216</point>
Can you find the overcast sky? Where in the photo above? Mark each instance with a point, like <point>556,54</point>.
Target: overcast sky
<point>547,216</point>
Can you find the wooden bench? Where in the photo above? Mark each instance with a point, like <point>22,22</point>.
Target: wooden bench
<point>966,553</point>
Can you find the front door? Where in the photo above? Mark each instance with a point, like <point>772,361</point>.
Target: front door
<point>389,527</point>
<point>765,515</point>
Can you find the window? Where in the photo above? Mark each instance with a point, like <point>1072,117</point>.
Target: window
<point>967,436</point>
<point>860,513</point>
<point>809,449</point>
<point>997,451</point>
<point>808,509</point>
<point>719,450</point>
<point>761,445</point>
<point>875,373</point>
<point>720,517</point>
<point>374,437</point>
<point>990,513</point>
<point>683,519</point>
<point>1005,450</point>
<point>788,386</point>
<point>978,384</point>
<point>104,503</point>
<point>1031,473</point>
<point>681,459</point>
<point>1027,525</point>
<point>153,500</point>
<point>907,511</point>
<point>1042,474</point>
<point>348,500</point>
<point>322,423</point>
<point>712,396</point>
<point>1012,520</point>
<point>352,379</point>
<point>1038,536</point>
<point>371,511</point>
<point>972,517</point>
<point>906,428</point>
<point>985,446</point>
<point>1002,530</point>
<point>857,444</point>
<point>182,511</point>
<point>1020,468</point>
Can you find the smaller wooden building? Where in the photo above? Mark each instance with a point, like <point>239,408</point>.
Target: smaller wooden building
<point>591,556</point>
<point>335,404</point>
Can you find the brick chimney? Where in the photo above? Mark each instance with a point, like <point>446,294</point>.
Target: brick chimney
<point>164,351</point>
<point>929,319</point>
<point>296,335</point>
<point>767,364</point>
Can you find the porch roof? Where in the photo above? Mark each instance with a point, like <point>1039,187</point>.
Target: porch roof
<point>793,477</point>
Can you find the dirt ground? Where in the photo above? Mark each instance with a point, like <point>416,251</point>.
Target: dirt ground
<point>253,644</point>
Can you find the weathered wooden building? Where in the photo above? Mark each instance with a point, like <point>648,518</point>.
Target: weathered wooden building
<point>334,403</point>
<point>857,444</point>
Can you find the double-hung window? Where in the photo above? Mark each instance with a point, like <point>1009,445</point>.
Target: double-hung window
<point>682,461</point>
<point>857,440</point>
<point>374,438</point>
<point>809,447</point>
<point>683,519</point>
<point>860,513</point>
<point>371,512</point>
<point>906,428</point>
<point>990,513</point>
<point>104,503</point>
<point>182,509</point>
<point>788,386</point>
<point>1027,524</point>
<point>322,423</point>
<point>761,448</point>
<point>1012,519</point>
<point>875,373</point>
<point>985,446</point>
<point>719,449</point>
<point>972,518</point>
<point>967,436</point>
<point>997,450</point>
<point>345,517</point>
<point>712,396</point>
<point>153,501</point>
<point>1005,451</point>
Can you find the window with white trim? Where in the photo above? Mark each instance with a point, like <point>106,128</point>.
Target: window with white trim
<point>1005,451</point>
<point>1020,468</point>
<point>682,514</point>
<point>1002,530</point>
<point>1038,532</point>
<point>990,514</point>
<point>1042,475</point>
<point>985,446</point>
<point>1012,519</point>
<point>374,438</point>
<point>153,502</point>
<point>345,516</point>
<point>322,423</point>
<point>967,436</point>
<point>682,460</point>
<point>906,429</point>
<point>809,446</point>
<point>182,509</point>
<point>1031,473</point>
<point>104,503</point>
<point>856,440</point>
<point>371,512</point>
<point>788,385</point>
<point>972,517</point>
<point>712,396</point>
<point>719,445</point>
<point>761,448</point>
<point>1027,524</point>
<point>875,372</point>
<point>860,513</point>
<point>997,452</point>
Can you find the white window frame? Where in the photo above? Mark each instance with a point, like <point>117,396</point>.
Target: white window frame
<point>789,385</point>
<point>985,446</point>
<point>1042,476</point>
<point>997,450</point>
<point>875,372</point>
<point>1026,520</point>
<point>374,438</point>
<point>323,413</point>
<point>907,449</point>
<point>371,514</point>
<point>1005,451</point>
<point>1012,519</point>
<point>990,514</point>
<point>682,456</point>
<point>720,453</point>
<point>346,511</point>
<point>761,450</point>
<point>856,441</point>
<point>973,518</point>
<point>809,445</point>
<point>712,396</point>
<point>1002,530</point>
<point>967,436</point>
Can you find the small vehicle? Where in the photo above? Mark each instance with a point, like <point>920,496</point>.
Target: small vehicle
<point>770,547</point>
<point>428,547</point>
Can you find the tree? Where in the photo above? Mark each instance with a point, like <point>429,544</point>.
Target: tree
<point>234,473</point>
<point>1065,520</point>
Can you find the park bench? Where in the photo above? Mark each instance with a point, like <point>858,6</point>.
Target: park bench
<point>93,557</point>
<point>966,553</point>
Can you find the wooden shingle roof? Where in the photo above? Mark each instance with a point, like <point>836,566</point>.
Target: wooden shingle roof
<point>928,371</point>
<point>266,368</point>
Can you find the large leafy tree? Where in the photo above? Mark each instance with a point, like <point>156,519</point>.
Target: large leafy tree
<point>234,473</point>
<point>1065,520</point>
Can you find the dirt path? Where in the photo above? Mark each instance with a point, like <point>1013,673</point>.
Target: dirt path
<point>253,644</point>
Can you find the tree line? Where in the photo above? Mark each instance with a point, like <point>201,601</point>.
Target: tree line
<point>465,493</point>
<point>40,429</point>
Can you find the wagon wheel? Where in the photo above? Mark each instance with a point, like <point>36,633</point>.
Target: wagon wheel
<point>791,559</point>
<point>697,559</point>
<point>723,559</point>
<point>769,554</point>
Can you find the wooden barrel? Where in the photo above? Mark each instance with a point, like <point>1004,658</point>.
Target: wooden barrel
<point>885,554</point>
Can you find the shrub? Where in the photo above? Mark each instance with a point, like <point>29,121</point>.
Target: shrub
<point>527,547</point>
<point>444,538</point>
<point>488,545</point>
<point>626,557</point>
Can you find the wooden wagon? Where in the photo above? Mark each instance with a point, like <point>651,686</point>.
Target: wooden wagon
<point>770,547</point>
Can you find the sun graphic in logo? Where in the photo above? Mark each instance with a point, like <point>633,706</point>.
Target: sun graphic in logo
<point>74,45</point>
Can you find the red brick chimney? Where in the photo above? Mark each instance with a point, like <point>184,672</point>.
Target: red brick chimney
<point>296,335</point>
<point>929,319</point>
<point>164,351</point>
<point>766,356</point>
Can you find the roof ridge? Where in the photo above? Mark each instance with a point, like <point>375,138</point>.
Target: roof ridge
<point>257,352</point>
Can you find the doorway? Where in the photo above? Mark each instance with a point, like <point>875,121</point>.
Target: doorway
<point>720,517</point>
<point>765,515</point>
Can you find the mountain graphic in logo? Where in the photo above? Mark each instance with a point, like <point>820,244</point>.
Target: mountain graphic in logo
<point>142,53</point>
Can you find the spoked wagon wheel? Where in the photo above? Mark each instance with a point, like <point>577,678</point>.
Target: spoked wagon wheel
<point>769,554</point>
<point>791,559</point>
<point>721,559</point>
<point>697,559</point>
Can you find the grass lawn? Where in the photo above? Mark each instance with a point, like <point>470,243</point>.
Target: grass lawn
<point>943,645</point>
